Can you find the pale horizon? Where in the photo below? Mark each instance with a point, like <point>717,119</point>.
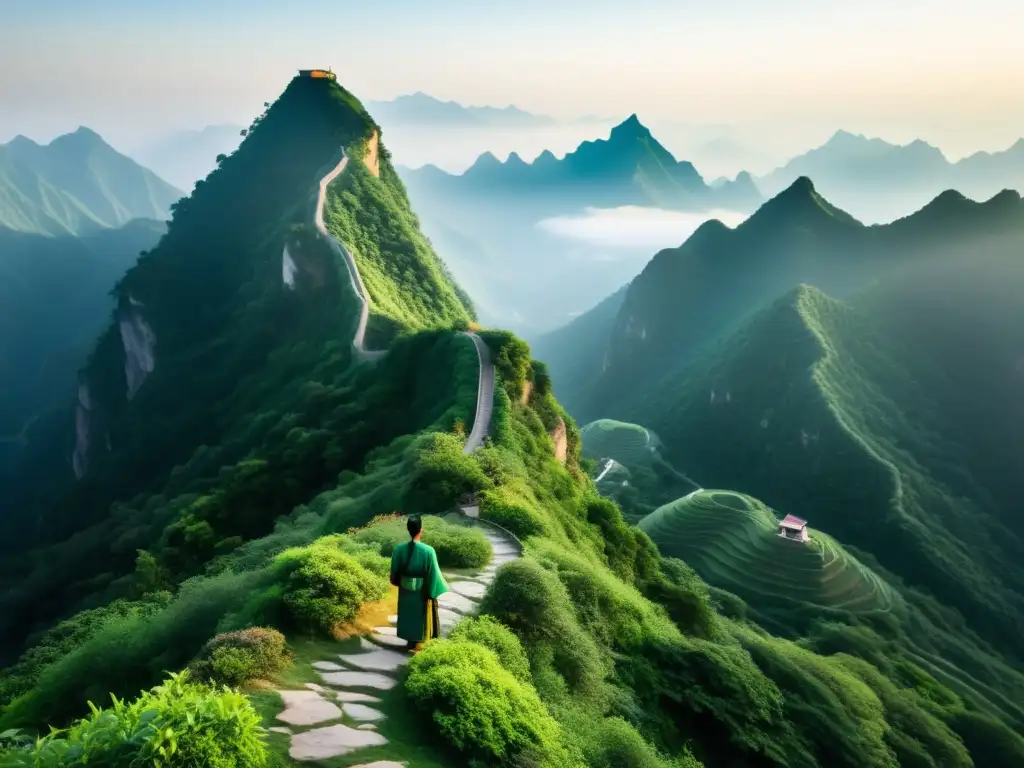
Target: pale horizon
<point>781,79</point>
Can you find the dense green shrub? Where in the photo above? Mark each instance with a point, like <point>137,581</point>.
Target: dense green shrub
<point>125,654</point>
<point>177,724</point>
<point>677,587</point>
<point>511,511</point>
<point>325,586</point>
<point>457,546</point>
<point>442,474</point>
<point>481,709</point>
<point>989,741</point>
<point>491,633</point>
<point>537,607</point>
<point>233,658</point>
<point>614,743</point>
<point>62,639</point>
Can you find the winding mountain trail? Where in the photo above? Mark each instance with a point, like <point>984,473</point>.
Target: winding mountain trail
<point>485,386</point>
<point>484,396</point>
<point>341,713</point>
<point>359,338</point>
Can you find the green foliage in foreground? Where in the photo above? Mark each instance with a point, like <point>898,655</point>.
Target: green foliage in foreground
<point>610,651</point>
<point>457,546</point>
<point>481,709</point>
<point>178,724</point>
<point>234,658</point>
<point>325,587</point>
<point>486,631</point>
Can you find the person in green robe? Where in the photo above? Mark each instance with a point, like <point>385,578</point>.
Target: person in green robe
<point>414,570</point>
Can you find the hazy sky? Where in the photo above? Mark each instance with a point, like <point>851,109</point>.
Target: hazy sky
<point>790,71</point>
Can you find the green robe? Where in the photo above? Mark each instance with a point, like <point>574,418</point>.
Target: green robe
<point>419,581</point>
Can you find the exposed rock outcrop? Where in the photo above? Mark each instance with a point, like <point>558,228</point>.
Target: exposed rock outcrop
<point>288,269</point>
<point>372,157</point>
<point>139,343</point>
<point>83,413</point>
<point>524,399</point>
<point>560,436</point>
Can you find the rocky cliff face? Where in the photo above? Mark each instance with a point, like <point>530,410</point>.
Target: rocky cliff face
<point>139,342</point>
<point>83,413</point>
<point>288,269</point>
<point>561,438</point>
<point>372,158</point>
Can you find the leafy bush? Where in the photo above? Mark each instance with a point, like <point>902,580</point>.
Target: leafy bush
<point>481,709</point>
<point>491,633</point>
<point>612,743</point>
<point>62,639</point>
<point>442,474</point>
<point>509,510</point>
<point>457,546</point>
<point>125,654</point>
<point>178,724</point>
<point>536,606</point>
<point>325,587</point>
<point>233,658</point>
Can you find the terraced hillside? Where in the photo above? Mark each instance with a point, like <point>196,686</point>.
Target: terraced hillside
<point>732,541</point>
<point>639,478</point>
<point>628,444</point>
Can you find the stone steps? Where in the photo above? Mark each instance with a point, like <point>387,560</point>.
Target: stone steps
<point>354,679</point>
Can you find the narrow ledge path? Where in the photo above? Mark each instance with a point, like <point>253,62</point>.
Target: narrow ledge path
<point>338,715</point>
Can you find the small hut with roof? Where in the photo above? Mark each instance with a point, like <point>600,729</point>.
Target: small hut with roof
<point>793,528</point>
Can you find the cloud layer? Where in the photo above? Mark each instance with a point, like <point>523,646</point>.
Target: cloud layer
<point>632,227</point>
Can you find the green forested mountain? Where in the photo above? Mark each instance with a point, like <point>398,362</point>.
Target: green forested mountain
<point>877,180</point>
<point>890,423</point>
<point>74,185</point>
<point>238,473</point>
<point>217,337</point>
<point>686,297</point>
<point>55,294</point>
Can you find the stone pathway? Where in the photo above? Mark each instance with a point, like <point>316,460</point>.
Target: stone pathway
<point>342,708</point>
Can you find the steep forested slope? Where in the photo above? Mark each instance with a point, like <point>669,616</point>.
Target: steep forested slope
<point>686,297</point>
<point>852,417</point>
<point>235,465</point>
<point>409,286</point>
<point>55,294</point>
<point>593,650</point>
<point>218,371</point>
<point>76,184</point>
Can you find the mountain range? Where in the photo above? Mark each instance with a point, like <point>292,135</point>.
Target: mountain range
<point>630,167</point>
<point>74,185</point>
<point>74,216</point>
<point>879,181</point>
<point>291,371</point>
<point>187,156</point>
<point>686,297</point>
<point>425,111</point>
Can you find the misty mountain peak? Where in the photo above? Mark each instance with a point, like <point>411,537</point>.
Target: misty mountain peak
<point>630,128</point>
<point>20,142</point>
<point>547,157</point>
<point>484,163</point>
<point>82,137</point>
<point>799,204</point>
